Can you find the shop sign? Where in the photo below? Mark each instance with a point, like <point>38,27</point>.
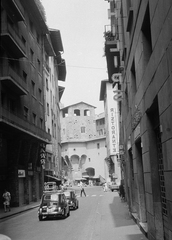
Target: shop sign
<point>113,131</point>
<point>21,173</point>
<point>42,155</point>
<point>118,94</point>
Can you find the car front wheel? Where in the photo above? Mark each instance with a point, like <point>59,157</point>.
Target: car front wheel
<point>40,218</point>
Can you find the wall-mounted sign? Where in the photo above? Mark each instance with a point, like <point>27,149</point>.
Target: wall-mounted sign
<point>42,155</point>
<point>113,131</point>
<point>21,173</point>
<point>118,94</point>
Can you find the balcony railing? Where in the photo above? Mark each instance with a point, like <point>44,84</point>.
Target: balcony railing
<point>11,78</point>
<point>14,7</point>
<point>109,35</point>
<point>23,125</point>
<point>11,40</point>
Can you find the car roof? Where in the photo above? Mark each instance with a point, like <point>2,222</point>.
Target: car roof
<point>53,192</point>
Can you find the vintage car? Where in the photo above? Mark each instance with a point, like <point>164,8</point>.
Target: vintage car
<point>53,204</point>
<point>72,199</point>
<point>113,186</point>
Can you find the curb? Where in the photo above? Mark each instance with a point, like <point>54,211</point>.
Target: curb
<point>18,212</point>
<point>142,226</point>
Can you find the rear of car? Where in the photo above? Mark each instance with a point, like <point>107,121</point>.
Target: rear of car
<point>53,204</point>
<point>72,199</point>
<point>113,186</point>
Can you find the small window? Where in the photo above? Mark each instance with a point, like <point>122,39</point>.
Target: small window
<point>98,145</point>
<point>39,65</point>
<point>26,112</point>
<point>82,129</point>
<point>34,118</point>
<point>23,41</point>
<point>48,109</point>
<point>65,113</point>
<point>86,112</point>
<point>133,78</point>
<point>76,112</point>
<point>33,88</point>
<point>47,84</point>
<point>40,95</point>
<point>31,55</point>
<point>41,123</point>
<point>38,38</point>
<point>31,26</point>
<point>24,76</point>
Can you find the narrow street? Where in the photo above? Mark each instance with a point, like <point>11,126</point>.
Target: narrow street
<point>101,215</point>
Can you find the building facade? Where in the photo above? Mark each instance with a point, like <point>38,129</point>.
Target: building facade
<point>146,112</point>
<point>83,142</point>
<point>54,71</point>
<point>23,131</point>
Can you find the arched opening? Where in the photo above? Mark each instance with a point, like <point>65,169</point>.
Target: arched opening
<point>75,162</point>
<point>90,172</point>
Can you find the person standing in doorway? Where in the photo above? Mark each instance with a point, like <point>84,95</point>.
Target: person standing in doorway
<point>82,189</point>
<point>7,198</point>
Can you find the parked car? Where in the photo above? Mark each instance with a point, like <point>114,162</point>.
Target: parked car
<point>72,199</point>
<point>53,204</point>
<point>113,186</point>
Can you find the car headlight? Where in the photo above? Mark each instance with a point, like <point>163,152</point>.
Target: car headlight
<point>59,208</point>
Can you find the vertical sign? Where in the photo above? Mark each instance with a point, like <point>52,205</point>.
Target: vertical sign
<point>113,118</point>
<point>42,155</point>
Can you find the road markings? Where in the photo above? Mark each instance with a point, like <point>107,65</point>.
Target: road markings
<point>94,195</point>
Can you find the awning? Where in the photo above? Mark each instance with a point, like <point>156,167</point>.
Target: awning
<point>52,178</point>
<point>102,180</point>
<point>80,179</point>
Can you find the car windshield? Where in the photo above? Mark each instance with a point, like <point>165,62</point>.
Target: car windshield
<point>67,194</point>
<point>48,199</point>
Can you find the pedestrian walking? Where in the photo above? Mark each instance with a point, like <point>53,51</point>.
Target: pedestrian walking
<point>105,187</point>
<point>82,189</point>
<point>7,198</point>
<point>122,192</point>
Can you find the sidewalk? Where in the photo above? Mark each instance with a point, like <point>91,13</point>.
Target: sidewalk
<point>16,210</point>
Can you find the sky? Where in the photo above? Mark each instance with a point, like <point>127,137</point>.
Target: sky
<point>81,24</point>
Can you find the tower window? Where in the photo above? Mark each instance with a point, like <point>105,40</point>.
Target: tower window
<point>76,112</point>
<point>86,112</point>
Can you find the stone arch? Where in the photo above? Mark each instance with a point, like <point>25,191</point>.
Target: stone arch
<point>82,161</point>
<point>90,171</point>
<point>74,161</point>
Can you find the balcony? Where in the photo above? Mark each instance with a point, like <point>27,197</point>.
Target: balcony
<point>11,41</point>
<point>16,122</point>
<point>12,80</point>
<point>111,37</point>
<point>14,8</point>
